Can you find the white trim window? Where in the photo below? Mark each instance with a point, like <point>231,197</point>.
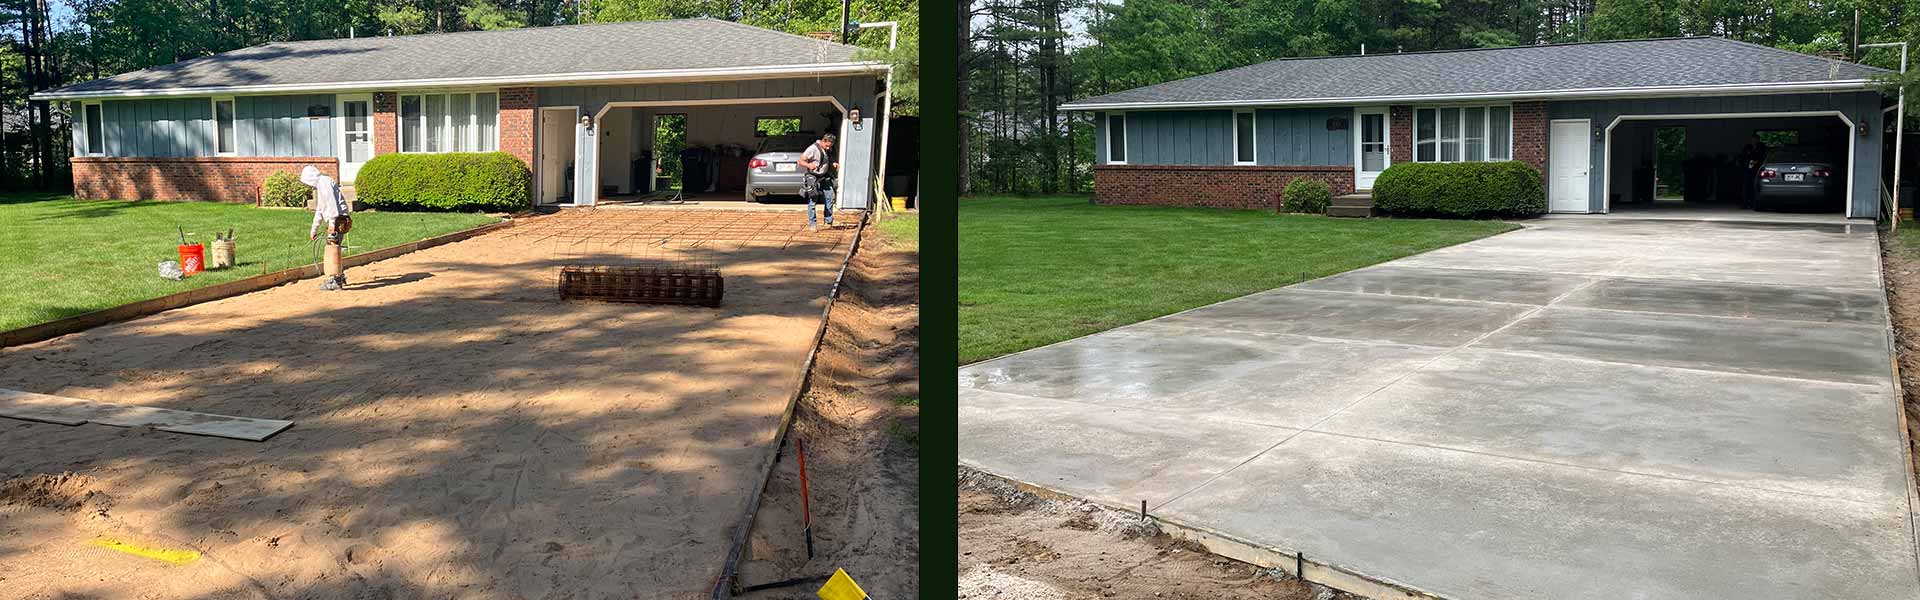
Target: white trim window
<point>224,141</point>
<point>1117,139</point>
<point>93,142</point>
<point>1463,133</point>
<point>1245,138</point>
<point>449,122</point>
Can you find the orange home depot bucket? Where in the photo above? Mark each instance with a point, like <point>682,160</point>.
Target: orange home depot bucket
<point>192,258</point>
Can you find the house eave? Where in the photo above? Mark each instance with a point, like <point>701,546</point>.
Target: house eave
<point>608,77</point>
<point>1841,85</point>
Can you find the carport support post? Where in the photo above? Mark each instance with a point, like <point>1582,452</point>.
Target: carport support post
<point>1899,130</point>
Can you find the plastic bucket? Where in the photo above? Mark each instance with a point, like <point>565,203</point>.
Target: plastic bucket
<point>192,259</point>
<point>899,203</point>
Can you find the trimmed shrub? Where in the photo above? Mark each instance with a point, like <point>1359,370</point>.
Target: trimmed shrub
<point>1469,190</point>
<point>284,189</point>
<point>1304,195</point>
<point>452,181</point>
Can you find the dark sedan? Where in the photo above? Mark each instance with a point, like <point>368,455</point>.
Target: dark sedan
<point>1799,178</point>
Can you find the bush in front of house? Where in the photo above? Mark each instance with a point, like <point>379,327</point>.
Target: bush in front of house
<point>1468,190</point>
<point>1303,195</point>
<point>451,181</point>
<point>284,189</point>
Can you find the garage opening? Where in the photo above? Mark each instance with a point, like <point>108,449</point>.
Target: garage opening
<point>723,155</point>
<point>1786,164</point>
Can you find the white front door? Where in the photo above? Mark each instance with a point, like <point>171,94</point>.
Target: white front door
<point>356,134</point>
<point>1372,152</point>
<point>1570,157</point>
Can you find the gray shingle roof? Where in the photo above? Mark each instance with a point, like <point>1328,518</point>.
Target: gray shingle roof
<point>541,51</point>
<point>1656,63</point>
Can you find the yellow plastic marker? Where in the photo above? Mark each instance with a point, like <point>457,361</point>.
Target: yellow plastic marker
<point>841,587</point>
<point>177,557</point>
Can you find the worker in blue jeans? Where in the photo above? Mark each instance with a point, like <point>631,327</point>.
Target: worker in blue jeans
<point>818,186</point>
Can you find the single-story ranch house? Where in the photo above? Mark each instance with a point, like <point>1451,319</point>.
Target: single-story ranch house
<point>1584,114</point>
<point>567,100</point>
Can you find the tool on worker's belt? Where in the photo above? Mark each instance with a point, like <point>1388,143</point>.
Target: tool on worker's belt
<point>806,512</point>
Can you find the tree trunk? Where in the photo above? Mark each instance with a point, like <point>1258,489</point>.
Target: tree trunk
<point>960,101</point>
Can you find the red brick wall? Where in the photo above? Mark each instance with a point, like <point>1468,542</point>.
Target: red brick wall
<point>1244,187</point>
<point>1530,134</point>
<point>516,123</point>
<point>219,179</point>
<point>1400,139</point>
<point>386,124</point>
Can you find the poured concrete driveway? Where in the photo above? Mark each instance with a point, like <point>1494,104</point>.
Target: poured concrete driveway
<point>1580,409</point>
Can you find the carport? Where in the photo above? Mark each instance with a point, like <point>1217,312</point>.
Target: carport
<point>1622,137</point>
<point>704,148</point>
<point>1663,160</point>
<point>602,134</point>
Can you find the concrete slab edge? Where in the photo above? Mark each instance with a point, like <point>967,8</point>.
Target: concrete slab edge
<point>730,570</point>
<point>133,310</point>
<point>1303,567</point>
<point>1900,402</point>
<point>1517,227</point>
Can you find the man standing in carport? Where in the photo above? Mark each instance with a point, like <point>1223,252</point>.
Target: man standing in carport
<point>817,184</point>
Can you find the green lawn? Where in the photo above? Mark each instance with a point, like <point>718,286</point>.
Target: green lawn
<point>1034,271</point>
<point>901,230</point>
<point>61,257</point>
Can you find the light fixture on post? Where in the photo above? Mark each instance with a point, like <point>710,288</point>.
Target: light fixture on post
<point>1899,130</point>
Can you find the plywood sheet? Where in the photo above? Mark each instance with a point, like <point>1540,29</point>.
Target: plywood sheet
<point>74,411</point>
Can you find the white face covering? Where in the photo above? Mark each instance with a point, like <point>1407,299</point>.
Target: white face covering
<point>310,176</point>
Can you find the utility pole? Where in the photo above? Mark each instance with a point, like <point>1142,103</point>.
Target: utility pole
<point>846,28</point>
<point>1854,54</point>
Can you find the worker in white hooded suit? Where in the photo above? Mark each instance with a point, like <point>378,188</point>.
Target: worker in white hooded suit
<point>330,210</point>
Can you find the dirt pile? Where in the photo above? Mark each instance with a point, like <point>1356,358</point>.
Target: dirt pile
<point>859,423</point>
<point>1014,544</point>
<point>63,492</point>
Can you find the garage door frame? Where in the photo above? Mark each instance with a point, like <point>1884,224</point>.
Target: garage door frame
<point>602,113</point>
<point>1606,187</point>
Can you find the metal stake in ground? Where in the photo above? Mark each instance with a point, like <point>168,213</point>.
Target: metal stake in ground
<point>806,512</point>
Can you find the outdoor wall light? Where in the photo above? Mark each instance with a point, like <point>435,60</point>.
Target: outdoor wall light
<point>853,114</point>
<point>1863,129</point>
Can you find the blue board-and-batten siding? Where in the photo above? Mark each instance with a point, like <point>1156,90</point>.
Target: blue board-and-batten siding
<point>1860,107</point>
<point>184,127</point>
<point>1282,137</point>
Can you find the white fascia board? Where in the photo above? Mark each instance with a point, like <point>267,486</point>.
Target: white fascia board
<point>653,76</point>
<point>1616,92</point>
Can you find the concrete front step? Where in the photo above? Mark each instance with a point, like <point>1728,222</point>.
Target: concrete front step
<point>1354,200</point>
<point>1350,211</point>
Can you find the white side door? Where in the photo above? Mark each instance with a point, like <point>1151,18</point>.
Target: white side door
<point>557,142</point>
<point>355,141</point>
<point>1570,158</point>
<point>1371,151</point>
